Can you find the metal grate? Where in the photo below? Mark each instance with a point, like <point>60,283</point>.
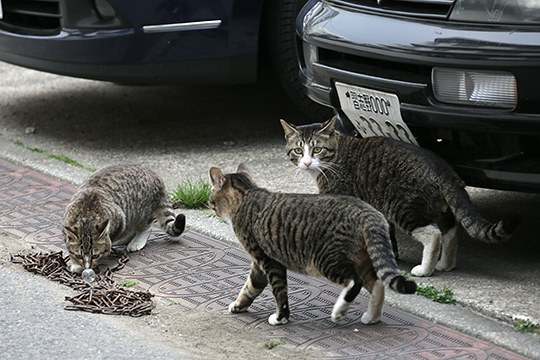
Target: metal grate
<point>203,273</point>
<point>418,8</point>
<point>31,17</point>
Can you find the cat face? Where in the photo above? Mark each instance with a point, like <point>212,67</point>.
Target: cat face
<point>311,147</point>
<point>87,244</point>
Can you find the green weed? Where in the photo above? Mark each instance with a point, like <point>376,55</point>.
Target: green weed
<point>444,296</point>
<point>526,326</point>
<point>403,273</point>
<point>211,214</point>
<point>128,283</point>
<point>58,157</point>
<point>192,194</point>
<point>274,342</point>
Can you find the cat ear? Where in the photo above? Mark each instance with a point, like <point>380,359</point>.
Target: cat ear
<point>216,177</point>
<point>243,169</point>
<point>71,235</point>
<point>70,231</point>
<point>103,239</point>
<point>289,129</point>
<point>329,126</point>
<point>103,227</point>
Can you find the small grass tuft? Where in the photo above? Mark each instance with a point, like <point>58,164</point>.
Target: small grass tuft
<point>403,273</point>
<point>275,342</point>
<point>128,283</point>
<point>62,158</point>
<point>212,215</point>
<point>444,296</point>
<point>192,194</point>
<point>526,326</point>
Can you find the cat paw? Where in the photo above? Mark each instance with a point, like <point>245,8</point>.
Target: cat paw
<point>272,320</point>
<point>421,271</point>
<point>76,268</point>
<point>369,319</point>
<point>338,315</point>
<point>443,266</point>
<point>135,246</point>
<point>233,309</point>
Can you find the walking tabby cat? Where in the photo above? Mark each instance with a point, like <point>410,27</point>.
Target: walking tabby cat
<point>414,188</point>
<point>338,237</point>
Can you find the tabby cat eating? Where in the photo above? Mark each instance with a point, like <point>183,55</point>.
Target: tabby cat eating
<point>116,206</point>
<point>338,237</point>
<point>414,188</point>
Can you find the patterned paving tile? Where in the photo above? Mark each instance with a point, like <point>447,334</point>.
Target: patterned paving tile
<point>199,272</point>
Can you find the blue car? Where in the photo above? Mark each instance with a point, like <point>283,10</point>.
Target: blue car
<point>155,41</point>
<point>460,77</point>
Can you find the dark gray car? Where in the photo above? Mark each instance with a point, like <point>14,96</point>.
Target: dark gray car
<point>159,42</point>
<point>461,77</point>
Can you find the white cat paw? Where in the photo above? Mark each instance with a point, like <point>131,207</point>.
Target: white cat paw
<point>369,319</point>
<point>272,320</point>
<point>135,246</point>
<point>420,271</point>
<point>233,309</point>
<point>76,268</point>
<point>444,266</point>
<point>338,315</point>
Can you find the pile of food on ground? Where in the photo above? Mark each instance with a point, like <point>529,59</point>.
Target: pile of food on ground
<point>102,296</point>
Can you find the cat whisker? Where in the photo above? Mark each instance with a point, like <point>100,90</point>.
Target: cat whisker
<point>292,169</point>
<point>330,168</point>
<point>321,170</point>
<point>295,170</point>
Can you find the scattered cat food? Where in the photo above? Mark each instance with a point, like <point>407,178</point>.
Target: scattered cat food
<point>104,299</point>
<point>102,296</point>
<point>51,265</point>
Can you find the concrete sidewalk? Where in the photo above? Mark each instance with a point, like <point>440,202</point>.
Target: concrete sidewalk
<point>192,301</point>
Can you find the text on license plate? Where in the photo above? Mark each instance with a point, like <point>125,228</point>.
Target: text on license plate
<point>373,113</point>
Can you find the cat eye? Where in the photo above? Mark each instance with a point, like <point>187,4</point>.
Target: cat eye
<point>317,150</point>
<point>298,151</point>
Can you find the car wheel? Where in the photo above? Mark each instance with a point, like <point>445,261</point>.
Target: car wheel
<point>280,47</point>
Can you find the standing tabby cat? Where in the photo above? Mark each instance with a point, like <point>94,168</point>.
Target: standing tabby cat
<point>116,206</point>
<point>415,189</point>
<point>339,237</point>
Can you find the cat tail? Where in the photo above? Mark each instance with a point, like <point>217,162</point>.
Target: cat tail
<point>379,248</point>
<point>475,224</point>
<point>172,224</point>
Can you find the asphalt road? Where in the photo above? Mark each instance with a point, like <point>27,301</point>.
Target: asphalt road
<point>182,132</point>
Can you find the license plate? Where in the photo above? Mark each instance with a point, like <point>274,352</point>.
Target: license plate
<point>373,113</point>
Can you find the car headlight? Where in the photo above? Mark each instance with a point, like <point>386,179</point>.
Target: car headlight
<point>497,11</point>
<point>485,88</point>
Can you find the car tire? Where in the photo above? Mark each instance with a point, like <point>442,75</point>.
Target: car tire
<point>280,47</point>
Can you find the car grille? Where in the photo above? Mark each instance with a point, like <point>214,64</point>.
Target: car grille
<point>32,17</point>
<point>417,8</point>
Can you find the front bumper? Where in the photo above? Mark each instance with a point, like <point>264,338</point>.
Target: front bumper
<point>139,46</point>
<point>488,147</point>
